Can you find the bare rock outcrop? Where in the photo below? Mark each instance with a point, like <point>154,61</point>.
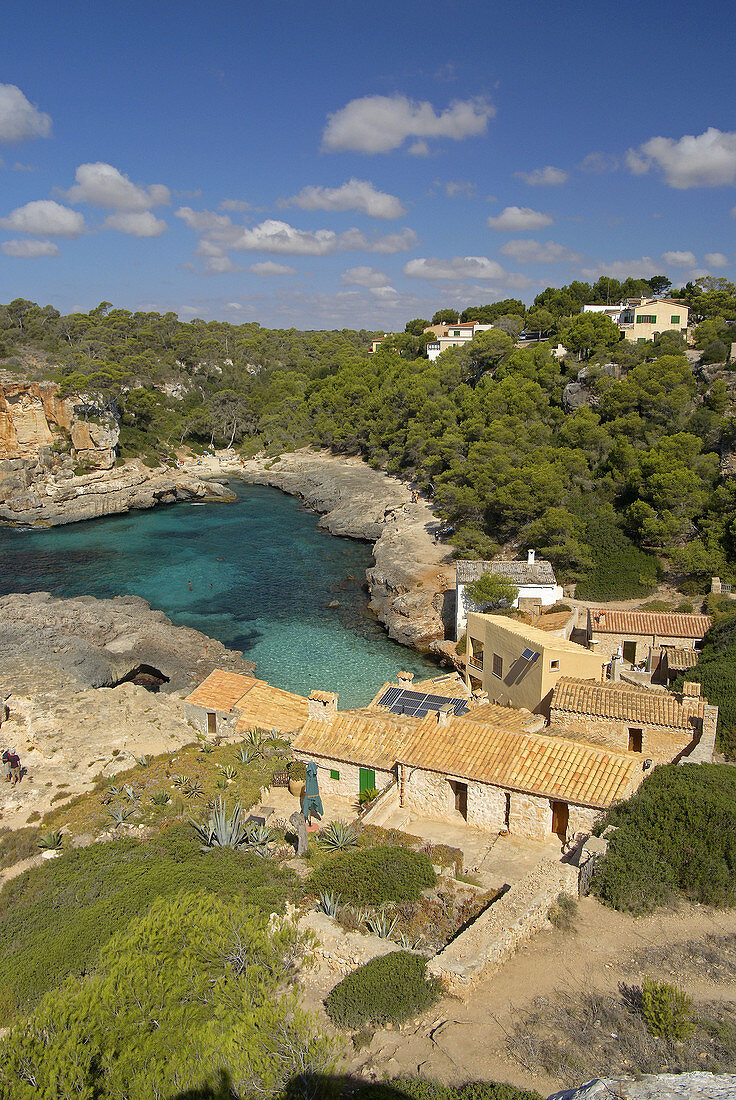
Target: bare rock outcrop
<point>33,415</point>
<point>411,583</point>
<point>655,1086</point>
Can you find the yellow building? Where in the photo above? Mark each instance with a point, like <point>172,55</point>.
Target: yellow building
<point>518,665</point>
<point>652,317</point>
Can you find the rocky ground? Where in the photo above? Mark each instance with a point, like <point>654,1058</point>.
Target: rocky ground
<point>413,580</point>
<point>69,716</point>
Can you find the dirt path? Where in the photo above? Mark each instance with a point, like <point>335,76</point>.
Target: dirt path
<point>460,1041</point>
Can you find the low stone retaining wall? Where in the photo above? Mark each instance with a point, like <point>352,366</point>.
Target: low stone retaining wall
<point>343,951</point>
<point>498,932</point>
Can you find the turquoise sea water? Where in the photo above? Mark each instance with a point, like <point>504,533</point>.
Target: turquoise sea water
<point>261,574</point>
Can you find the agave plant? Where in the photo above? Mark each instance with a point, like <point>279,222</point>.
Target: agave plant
<point>113,790</point>
<point>51,842</point>
<point>221,783</point>
<point>246,754</point>
<point>131,793</point>
<point>259,838</point>
<point>407,942</point>
<point>142,761</point>
<point>119,815</point>
<point>229,772</point>
<point>205,747</point>
<point>329,903</point>
<point>255,737</point>
<point>160,798</point>
<point>360,912</point>
<point>179,781</point>
<point>338,835</point>
<point>381,925</point>
<point>193,788</point>
<point>221,831</point>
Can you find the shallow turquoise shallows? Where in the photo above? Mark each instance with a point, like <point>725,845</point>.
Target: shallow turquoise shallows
<point>257,574</point>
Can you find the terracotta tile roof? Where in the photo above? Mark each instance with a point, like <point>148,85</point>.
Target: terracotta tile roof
<point>556,620</point>
<point>518,572</point>
<point>323,696</point>
<point>449,684</point>
<point>664,624</point>
<point>679,660</point>
<point>625,704</point>
<point>258,703</point>
<point>504,718</point>
<point>546,766</point>
<point>221,690</point>
<point>271,708</point>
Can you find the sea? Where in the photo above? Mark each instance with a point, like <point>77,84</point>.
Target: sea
<point>257,574</point>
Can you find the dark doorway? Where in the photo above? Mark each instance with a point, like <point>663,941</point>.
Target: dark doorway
<point>460,791</point>
<point>211,724</point>
<point>630,652</point>
<point>507,814</point>
<point>560,816</point>
<point>635,740</point>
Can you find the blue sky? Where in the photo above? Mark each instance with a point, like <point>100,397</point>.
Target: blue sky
<point>357,165</point>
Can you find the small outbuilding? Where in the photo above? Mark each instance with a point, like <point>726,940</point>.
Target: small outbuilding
<point>640,635</point>
<point>535,580</point>
<point>227,703</point>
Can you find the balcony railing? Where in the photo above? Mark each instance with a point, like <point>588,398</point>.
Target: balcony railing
<point>476,662</point>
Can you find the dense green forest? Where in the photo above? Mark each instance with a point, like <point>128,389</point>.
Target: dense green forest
<point>628,474</point>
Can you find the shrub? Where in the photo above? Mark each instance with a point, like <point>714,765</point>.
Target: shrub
<point>374,876</point>
<point>389,989</point>
<point>667,1010</point>
<point>297,770</point>
<point>563,913</point>
<point>419,1088</point>
<point>716,671</point>
<point>620,569</point>
<point>17,844</point>
<point>675,836</point>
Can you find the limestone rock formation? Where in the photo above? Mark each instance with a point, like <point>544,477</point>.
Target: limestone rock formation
<point>656,1086</point>
<point>33,416</point>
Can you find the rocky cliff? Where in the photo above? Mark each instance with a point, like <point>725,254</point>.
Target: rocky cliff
<point>412,582</point>
<point>57,461</point>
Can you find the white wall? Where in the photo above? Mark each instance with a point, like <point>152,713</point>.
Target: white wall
<point>547,594</point>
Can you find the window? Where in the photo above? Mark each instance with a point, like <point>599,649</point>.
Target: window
<point>334,774</point>
<point>554,665</point>
<point>641,340</point>
<point>456,332</point>
<point>675,319</point>
<point>497,665</point>
<point>646,319</point>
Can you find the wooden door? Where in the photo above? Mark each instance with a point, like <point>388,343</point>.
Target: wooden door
<point>367,780</point>
<point>630,652</point>
<point>560,816</point>
<point>211,724</point>
<point>635,740</point>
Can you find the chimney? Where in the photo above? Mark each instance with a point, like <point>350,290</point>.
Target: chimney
<point>530,557</point>
<point>479,698</point>
<point>445,714</point>
<point>404,679</point>
<point>691,695</point>
<point>322,705</point>
<point>616,662</point>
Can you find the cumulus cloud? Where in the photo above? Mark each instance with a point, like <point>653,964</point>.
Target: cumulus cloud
<point>19,119</point>
<point>703,160</point>
<point>143,224</point>
<point>353,195</point>
<point>384,293</point>
<point>30,250</point>
<point>268,268</point>
<point>380,123</point>
<point>237,205</point>
<point>458,187</point>
<point>44,218</point>
<point>393,242</point>
<point>203,220</point>
<point>460,267</point>
<point>364,276</point>
<point>598,164</point>
<point>543,177</point>
<point>642,268</point>
<point>102,185</point>
<point>679,259</point>
<point>517,218</point>
<point>534,252</point>
<point>715,259</point>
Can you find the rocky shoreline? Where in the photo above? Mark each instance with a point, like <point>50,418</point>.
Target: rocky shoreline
<point>412,582</point>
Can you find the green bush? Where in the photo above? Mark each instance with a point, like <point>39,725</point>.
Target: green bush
<point>297,770</point>
<point>716,671</point>
<point>676,837</point>
<point>419,1088</point>
<point>667,1010</point>
<point>374,876</point>
<point>620,569</point>
<point>54,919</point>
<point>389,989</point>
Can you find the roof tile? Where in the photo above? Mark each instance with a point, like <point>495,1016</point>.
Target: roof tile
<point>663,624</point>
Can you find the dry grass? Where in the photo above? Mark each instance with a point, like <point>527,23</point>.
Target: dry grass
<point>711,959</point>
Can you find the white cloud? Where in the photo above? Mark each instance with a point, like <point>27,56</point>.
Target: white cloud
<point>44,218</point>
<point>517,218</point>
<point>419,149</point>
<point>238,205</point>
<point>143,224</point>
<point>458,187</point>
<point>102,185</point>
<point>364,276</point>
<point>384,293</point>
<point>534,252</point>
<point>599,163</point>
<point>19,119</point>
<point>393,242</point>
<point>642,268</point>
<point>277,236</point>
<point>30,250</point>
<point>268,268</point>
<point>379,123</point>
<point>203,220</point>
<point>715,259</point>
<point>461,267</point>
<point>353,195</point>
<point>679,259</point>
<point>543,177</point>
<point>705,160</point>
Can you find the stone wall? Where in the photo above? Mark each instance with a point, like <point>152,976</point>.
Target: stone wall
<point>502,928</point>
<point>348,785</point>
<point>661,744</point>
<point>646,645</point>
<point>341,951</point>
<point>530,816</point>
<point>225,722</point>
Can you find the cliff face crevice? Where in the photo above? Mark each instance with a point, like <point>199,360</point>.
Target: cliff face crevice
<point>33,416</point>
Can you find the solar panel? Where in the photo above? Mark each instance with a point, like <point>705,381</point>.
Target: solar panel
<point>528,654</point>
<point>415,704</point>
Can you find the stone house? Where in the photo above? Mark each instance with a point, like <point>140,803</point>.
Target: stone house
<point>457,770</point>
<point>534,578</point>
<point>227,703</point>
<point>674,661</point>
<point>657,725</point>
<point>518,665</point>
<point>640,635</point>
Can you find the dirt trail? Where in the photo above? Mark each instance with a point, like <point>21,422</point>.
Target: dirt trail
<point>460,1041</point>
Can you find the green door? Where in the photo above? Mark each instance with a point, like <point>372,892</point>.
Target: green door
<point>367,780</point>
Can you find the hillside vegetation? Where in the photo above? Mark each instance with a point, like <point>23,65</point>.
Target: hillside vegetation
<point>631,477</point>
